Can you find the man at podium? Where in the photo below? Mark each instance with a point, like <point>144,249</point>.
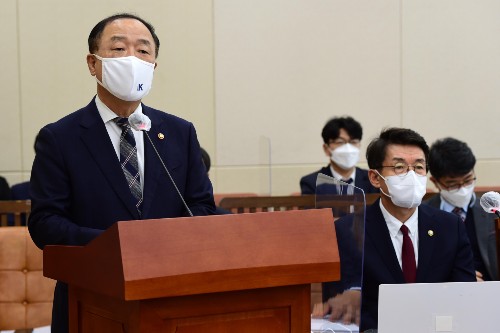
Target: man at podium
<point>93,169</point>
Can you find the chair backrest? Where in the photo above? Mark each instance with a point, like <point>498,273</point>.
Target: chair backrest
<point>245,204</point>
<point>14,212</point>
<point>25,294</point>
<point>267,203</point>
<point>219,196</point>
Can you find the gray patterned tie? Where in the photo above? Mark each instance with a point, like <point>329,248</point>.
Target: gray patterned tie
<point>460,212</point>
<point>128,160</point>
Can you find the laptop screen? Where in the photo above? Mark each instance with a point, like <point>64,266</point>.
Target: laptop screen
<point>458,307</point>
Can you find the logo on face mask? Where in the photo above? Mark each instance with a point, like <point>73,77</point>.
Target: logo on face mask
<point>121,77</point>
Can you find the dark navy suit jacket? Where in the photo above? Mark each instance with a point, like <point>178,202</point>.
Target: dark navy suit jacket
<point>484,225</point>
<point>308,182</point>
<point>78,188</point>
<point>20,191</point>
<point>444,255</point>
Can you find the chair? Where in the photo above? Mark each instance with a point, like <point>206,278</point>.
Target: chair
<point>484,189</point>
<point>14,212</point>
<point>25,295</point>
<point>219,196</point>
<point>267,203</point>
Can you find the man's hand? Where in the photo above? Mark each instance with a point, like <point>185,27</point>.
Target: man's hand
<point>345,307</point>
<point>479,276</point>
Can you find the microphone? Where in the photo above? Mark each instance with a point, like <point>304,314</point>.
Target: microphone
<point>141,122</point>
<point>490,201</point>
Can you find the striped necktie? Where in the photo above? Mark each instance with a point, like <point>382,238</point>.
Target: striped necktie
<point>460,212</point>
<point>128,160</point>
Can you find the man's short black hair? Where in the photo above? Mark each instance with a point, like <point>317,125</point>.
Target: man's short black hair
<point>376,150</point>
<point>95,34</point>
<point>332,128</point>
<point>205,158</point>
<point>450,157</point>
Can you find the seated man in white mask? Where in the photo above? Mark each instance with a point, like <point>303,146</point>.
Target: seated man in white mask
<point>451,164</point>
<point>341,142</point>
<point>405,242</point>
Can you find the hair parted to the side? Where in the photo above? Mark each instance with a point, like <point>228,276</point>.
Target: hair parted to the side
<point>96,32</point>
<point>450,157</point>
<point>332,128</point>
<point>376,150</point>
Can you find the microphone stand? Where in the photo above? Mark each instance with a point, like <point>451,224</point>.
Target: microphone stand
<point>168,173</point>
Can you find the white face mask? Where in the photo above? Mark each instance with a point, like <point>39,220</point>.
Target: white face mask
<point>128,78</point>
<point>345,156</point>
<point>460,198</point>
<point>406,191</point>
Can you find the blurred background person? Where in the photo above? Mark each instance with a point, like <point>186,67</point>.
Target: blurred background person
<point>451,164</point>
<point>341,144</point>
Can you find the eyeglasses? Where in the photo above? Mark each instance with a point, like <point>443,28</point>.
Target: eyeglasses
<point>401,169</point>
<point>454,187</point>
<point>340,142</point>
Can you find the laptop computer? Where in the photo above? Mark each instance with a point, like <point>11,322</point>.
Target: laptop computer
<point>458,307</point>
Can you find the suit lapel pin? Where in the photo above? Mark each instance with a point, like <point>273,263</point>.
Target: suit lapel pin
<point>430,233</point>
<point>161,136</point>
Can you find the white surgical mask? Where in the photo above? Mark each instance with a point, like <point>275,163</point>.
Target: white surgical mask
<point>406,191</point>
<point>459,198</point>
<point>346,156</point>
<point>128,78</point>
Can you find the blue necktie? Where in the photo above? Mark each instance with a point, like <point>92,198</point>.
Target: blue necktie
<point>128,160</point>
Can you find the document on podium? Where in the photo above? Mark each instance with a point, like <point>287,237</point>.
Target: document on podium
<point>44,329</point>
<point>326,326</point>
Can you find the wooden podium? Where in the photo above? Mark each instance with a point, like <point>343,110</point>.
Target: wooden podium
<point>240,273</point>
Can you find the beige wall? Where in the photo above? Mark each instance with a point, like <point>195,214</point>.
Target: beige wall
<point>260,78</point>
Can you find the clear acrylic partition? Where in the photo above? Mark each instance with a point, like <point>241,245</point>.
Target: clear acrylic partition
<point>348,206</point>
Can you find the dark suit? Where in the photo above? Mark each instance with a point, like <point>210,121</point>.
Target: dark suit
<point>484,225</point>
<point>446,256</point>
<point>20,191</point>
<point>308,182</point>
<point>78,188</point>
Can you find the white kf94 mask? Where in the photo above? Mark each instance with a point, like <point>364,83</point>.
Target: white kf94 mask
<point>127,78</point>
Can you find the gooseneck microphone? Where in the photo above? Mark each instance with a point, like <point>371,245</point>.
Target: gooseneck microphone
<point>490,201</point>
<point>141,122</point>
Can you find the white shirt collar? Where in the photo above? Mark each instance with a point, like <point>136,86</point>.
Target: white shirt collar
<point>106,113</point>
<point>394,224</point>
<point>338,176</point>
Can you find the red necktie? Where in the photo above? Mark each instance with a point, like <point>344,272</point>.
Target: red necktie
<point>408,257</point>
